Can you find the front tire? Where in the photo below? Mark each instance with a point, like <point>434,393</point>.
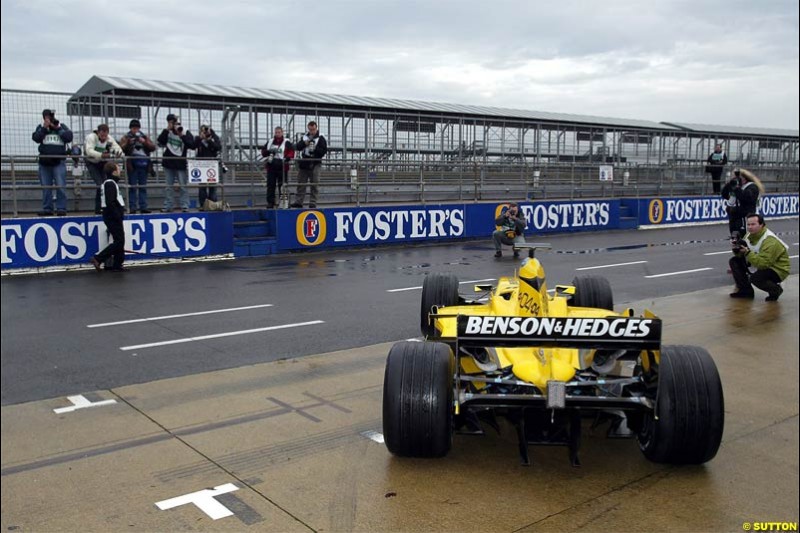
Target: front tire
<point>690,409</point>
<point>440,290</point>
<point>592,291</point>
<point>418,399</point>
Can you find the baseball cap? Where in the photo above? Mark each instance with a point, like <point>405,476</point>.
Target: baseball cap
<point>172,117</point>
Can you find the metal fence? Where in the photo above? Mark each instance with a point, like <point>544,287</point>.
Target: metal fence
<point>360,182</point>
<point>391,136</point>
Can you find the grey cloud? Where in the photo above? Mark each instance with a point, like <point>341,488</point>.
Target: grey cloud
<point>665,60</point>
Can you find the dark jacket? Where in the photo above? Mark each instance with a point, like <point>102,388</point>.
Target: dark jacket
<point>137,148</point>
<point>113,208</point>
<point>506,224</point>
<point>716,161</point>
<point>312,159</point>
<point>52,142</point>
<point>208,148</point>
<point>747,197</point>
<point>178,145</point>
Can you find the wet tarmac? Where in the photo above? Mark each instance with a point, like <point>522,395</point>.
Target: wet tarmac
<point>293,445</point>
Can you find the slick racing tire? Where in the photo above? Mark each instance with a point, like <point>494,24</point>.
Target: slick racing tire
<point>690,409</point>
<point>418,399</point>
<point>592,291</point>
<point>440,290</point>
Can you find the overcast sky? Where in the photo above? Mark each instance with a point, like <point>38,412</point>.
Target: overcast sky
<point>725,62</point>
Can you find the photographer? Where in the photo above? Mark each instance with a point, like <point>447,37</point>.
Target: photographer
<point>278,153</point>
<point>761,259</point>
<point>716,164</point>
<point>312,147</point>
<point>175,142</point>
<point>138,147</point>
<point>52,137</point>
<point>99,148</point>
<point>208,146</point>
<point>510,226</point>
<point>741,197</point>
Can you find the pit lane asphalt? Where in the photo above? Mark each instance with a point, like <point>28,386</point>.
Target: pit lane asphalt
<point>48,350</point>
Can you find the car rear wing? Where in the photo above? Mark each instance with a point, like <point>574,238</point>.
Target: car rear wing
<point>616,333</point>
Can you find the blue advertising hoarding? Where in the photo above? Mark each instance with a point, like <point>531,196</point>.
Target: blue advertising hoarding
<point>686,210</point>
<point>297,229</point>
<point>43,242</point>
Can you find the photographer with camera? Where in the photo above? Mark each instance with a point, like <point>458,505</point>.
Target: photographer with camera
<point>137,147</point>
<point>208,146</point>
<point>175,141</point>
<point>99,147</point>
<point>741,197</point>
<point>312,147</point>
<point>52,137</point>
<point>760,259</point>
<point>278,153</point>
<point>510,227</point>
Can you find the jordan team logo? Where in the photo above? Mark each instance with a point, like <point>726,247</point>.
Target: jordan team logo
<point>311,228</point>
<point>655,211</point>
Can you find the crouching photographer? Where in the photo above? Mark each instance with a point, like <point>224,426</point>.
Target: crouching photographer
<point>760,259</point>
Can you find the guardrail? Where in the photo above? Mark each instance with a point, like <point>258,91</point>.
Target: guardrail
<point>366,182</point>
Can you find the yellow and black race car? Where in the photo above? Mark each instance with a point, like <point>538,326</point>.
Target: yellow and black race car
<point>545,362</point>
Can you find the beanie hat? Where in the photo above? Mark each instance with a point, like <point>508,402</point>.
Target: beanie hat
<point>135,124</point>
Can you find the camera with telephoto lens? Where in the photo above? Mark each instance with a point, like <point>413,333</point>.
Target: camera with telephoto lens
<point>737,243</point>
<point>136,139</point>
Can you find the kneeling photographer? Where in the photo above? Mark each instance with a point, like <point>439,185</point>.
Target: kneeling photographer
<point>760,259</point>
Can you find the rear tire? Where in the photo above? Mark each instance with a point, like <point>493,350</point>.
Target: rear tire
<point>592,291</point>
<point>438,289</point>
<point>690,408</point>
<point>418,399</point>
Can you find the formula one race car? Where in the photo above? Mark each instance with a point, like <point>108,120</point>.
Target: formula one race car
<point>546,362</point>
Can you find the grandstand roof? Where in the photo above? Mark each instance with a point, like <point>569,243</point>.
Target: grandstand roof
<point>734,130</point>
<point>140,87</point>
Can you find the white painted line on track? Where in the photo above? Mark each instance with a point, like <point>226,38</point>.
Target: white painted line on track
<point>81,402</point>
<point>219,335</point>
<point>678,273</point>
<point>373,435</point>
<point>166,317</point>
<point>720,253</point>
<point>614,265</point>
<point>793,257</point>
<point>404,289</point>
<point>204,500</point>
<point>420,287</point>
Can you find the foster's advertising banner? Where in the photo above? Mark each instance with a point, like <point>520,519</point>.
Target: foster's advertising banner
<point>298,229</point>
<point>41,242</point>
<point>661,211</point>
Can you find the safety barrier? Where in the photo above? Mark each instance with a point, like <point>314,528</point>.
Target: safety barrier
<point>33,243</point>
